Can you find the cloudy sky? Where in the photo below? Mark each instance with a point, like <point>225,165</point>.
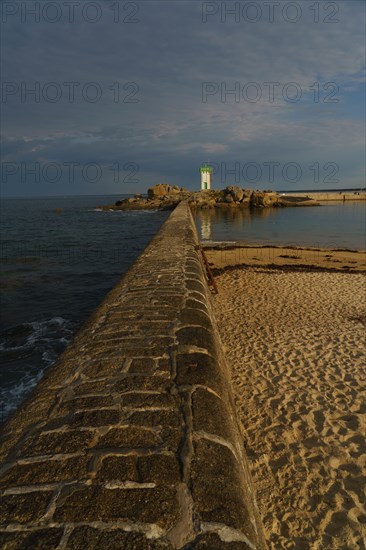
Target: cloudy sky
<point>111,97</point>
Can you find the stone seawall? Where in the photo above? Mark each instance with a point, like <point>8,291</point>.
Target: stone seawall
<point>331,196</point>
<point>131,439</point>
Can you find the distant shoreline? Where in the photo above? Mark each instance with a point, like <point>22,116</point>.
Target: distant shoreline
<point>323,196</point>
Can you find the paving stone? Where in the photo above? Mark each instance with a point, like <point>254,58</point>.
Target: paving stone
<point>99,387</point>
<point>38,539</point>
<point>85,403</point>
<point>199,368</point>
<point>212,541</point>
<point>141,400</point>
<point>130,436</point>
<point>91,538</point>
<point>30,412</point>
<point>164,365</point>
<point>170,424</point>
<point>197,304</point>
<point>163,418</point>
<point>57,442</point>
<point>138,382</point>
<point>155,468</point>
<point>84,419</point>
<point>197,296</point>
<point>118,468</point>
<point>142,366</point>
<point>197,336</point>
<point>159,469</point>
<point>196,285</point>
<point>194,316</point>
<point>94,503</point>
<point>24,508</point>
<point>110,366</point>
<point>49,471</point>
<point>210,414</point>
<point>217,487</point>
<point>104,417</point>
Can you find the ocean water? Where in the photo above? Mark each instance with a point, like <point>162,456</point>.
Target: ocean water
<point>56,267</point>
<point>331,225</point>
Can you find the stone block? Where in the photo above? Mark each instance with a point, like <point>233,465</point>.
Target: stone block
<point>169,424</point>
<point>196,285</point>
<point>141,400</point>
<point>138,382</point>
<point>84,419</point>
<point>216,486</point>
<point>197,304</point>
<point>212,541</point>
<point>24,508</point>
<point>211,415</point>
<point>118,468</point>
<point>197,336</point>
<point>71,441</point>
<point>35,540</point>
<point>143,365</point>
<point>96,539</point>
<point>86,403</point>
<point>160,469</point>
<point>195,316</point>
<point>49,471</point>
<point>98,387</point>
<point>94,503</point>
<point>104,417</point>
<point>200,369</point>
<point>130,437</point>
<point>109,366</point>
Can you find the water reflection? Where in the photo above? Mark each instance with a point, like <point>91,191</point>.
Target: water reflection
<point>328,225</point>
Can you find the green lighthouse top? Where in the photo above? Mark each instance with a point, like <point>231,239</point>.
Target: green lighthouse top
<point>206,168</point>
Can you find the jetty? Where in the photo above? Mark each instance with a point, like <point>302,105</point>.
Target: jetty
<point>131,438</point>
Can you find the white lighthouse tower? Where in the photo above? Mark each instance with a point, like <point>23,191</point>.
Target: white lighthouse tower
<point>206,174</point>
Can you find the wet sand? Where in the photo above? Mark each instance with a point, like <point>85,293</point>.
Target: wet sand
<point>294,337</point>
<point>287,257</point>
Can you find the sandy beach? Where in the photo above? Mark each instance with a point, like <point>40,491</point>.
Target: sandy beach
<point>294,336</point>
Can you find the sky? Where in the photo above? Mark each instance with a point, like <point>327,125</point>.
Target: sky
<point>111,97</point>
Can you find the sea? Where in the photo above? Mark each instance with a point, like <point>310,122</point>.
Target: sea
<point>60,257</point>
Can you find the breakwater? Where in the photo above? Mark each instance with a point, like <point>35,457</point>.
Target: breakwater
<point>329,196</point>
<point>131,438</point>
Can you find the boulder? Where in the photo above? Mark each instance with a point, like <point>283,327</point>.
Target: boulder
<point>161,190</point>
<point>236,193</point>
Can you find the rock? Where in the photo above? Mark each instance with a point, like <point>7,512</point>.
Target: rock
<point>229,198</point>
<point>161,190</point>
<point>236,193</point>
<point>245,202</point>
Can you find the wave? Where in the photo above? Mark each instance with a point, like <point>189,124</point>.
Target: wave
<point>26,351</point>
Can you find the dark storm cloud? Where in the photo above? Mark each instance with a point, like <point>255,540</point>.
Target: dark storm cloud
<point>145,106</point>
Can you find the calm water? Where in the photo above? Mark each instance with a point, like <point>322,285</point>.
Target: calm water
<point>333,225</point>
<point>55,269</point>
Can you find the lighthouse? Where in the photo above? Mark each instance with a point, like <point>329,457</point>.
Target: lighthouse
<point>206,174</point>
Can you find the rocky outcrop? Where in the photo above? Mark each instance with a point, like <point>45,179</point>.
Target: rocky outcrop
<point>166,197</point>
<point>162,190</point>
